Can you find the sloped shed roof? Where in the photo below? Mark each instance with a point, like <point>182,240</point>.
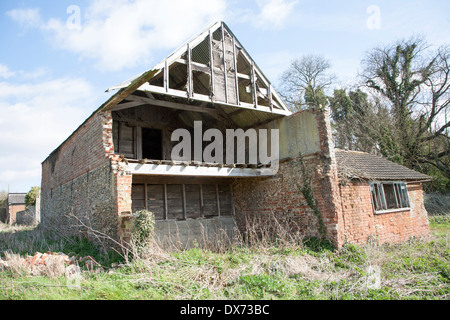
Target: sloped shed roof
<point>16,198</point>
<point>356,164</point>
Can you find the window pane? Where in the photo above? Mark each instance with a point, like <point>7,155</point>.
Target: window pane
<point>389,194</point>
<point>404,195</point>
<point>376,197</point>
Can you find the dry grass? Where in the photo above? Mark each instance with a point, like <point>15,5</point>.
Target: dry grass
<point>263,263</point>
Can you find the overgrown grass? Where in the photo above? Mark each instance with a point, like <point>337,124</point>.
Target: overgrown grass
<point>418,269</point>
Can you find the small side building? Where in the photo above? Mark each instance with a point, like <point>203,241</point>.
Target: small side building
<point>14,204</point>
<point>380,200</point>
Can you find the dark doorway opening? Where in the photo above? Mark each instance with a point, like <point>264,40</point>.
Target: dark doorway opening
<point>151,144</point>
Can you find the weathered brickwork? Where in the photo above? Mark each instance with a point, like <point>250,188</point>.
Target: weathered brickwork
<point>86,200</point>
<point>278,197</point>
<point>78,181</point>
<point>12,212</point>
<point>84,181</point>
<point>363,225</point>
<point>281,196</point>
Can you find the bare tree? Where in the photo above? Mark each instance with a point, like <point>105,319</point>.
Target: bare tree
<point>304,82</point>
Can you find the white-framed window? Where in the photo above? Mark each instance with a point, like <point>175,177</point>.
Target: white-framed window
<point>389,196</point>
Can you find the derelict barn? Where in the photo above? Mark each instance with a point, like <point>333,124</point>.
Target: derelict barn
<point>121,159</point>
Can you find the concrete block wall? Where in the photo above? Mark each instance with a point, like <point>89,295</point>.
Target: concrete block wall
<point>212,233</point>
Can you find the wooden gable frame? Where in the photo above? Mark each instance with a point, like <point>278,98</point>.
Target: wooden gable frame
<point>212,68</point>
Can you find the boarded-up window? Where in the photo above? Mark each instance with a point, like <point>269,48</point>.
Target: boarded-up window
<point>209,200</point>
<point>193,204</point>
<point>183,201</point>
<point>138,197</point>
<point>124,139</point>
<point>155,202</point>
<point>225,200</point>
<point>175,201</point>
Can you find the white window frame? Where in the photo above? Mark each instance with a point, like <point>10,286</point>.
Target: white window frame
<point>379,196</point>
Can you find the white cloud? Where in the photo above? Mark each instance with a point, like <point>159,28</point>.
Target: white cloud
<point>118,34</point>
<point>34,119</point>
<point>27,18</point>
<point>273,13</point>
<point>5,73</point>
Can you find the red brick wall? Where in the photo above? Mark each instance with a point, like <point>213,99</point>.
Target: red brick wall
<point>83,151</point>
<point>82,178</point>
<point>280,196</point>
<point>12,212</point>
<point>362,224</point>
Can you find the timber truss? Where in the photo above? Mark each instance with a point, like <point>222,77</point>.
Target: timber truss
<point>210,74</point>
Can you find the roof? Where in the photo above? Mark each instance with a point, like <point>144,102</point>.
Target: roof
<point>356,164</point>
<point>187,81</point>
<point>211,72</point>
<point>16,198</point>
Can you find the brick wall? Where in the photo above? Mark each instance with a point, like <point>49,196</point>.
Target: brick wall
<point>362,224</point>
<point>12,211</point>
<point>78,180</point>
<point>278,197</point>
<point>281,197</point>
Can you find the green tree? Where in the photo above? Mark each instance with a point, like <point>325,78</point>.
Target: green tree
<point>30,197</point>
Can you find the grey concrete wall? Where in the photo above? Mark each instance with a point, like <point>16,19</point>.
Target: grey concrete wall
<point>210,233</point>
<point>26,217</point>
<point>299,133</point>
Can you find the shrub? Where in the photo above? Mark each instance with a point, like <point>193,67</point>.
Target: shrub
<point>143,228</point>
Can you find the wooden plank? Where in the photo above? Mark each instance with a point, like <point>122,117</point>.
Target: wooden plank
<point>211,62</point>
<point>166,208</point>
<point>168,104</point>
<point>127,105</point>
<point>209,200</point>
<point>126,140</point>
<point>166,76</point>
<point>235,71</point>
<point>155,200</point>
<point>193,202</point>
<point>225,200</point>
<point>138,148</point>
<point>202,204</point>
<point>233,210</point>
<point>201,97</point>
<point>255,96</point>
<point>190,88</point>
<point>175,201</point>
<point>181,170</point>
<point>224,65</point>
<point>217,200</point>
<point>145,197</point>
<point>184,201</point>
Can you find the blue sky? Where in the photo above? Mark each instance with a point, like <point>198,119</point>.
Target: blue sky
<point>57,58</point>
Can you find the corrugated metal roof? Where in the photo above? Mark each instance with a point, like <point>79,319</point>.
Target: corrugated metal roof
<point>356,164</point>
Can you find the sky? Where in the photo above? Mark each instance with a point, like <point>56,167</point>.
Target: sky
<point>57,58</point>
